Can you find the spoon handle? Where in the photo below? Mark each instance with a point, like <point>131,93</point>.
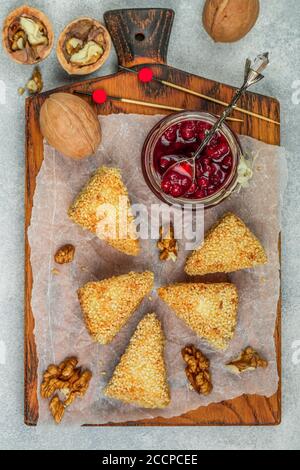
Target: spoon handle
<point>252,75</point>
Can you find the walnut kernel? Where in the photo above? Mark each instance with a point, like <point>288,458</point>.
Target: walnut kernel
<point>167,244</point>
<point>65,254</point>
<point>57,409</point>
<point>248,360</point>
<point>197,370</point>
<point>69,380</point>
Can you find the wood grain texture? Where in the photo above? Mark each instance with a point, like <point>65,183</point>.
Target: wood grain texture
<point>245,410</point>
<point>140,35</point>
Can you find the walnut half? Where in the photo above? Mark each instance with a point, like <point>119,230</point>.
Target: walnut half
<point>248,360</point>
<point>83,46</point>
<point>27,35</point>
<point>197,370</point>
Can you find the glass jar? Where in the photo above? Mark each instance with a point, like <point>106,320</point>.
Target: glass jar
<point>177,137</point>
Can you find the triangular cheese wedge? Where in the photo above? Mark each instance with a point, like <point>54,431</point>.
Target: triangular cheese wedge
<point>140,378</point>
<point>210,310</point>
<point>229,246</point>
<point>108,304</point>
<point>103,208</point>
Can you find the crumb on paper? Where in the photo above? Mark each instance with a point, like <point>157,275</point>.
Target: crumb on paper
<point>55,271</point>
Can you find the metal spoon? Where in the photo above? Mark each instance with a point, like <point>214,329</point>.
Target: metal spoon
<point>253,74</point>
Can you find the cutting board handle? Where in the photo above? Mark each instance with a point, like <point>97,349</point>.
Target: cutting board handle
<point>140,35</point>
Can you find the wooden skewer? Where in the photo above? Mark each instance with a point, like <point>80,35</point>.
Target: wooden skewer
<point>205,97</point>
<point>146,104</point>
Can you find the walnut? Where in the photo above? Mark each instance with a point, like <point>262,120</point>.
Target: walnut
<point>167,245</point>
<point>229,20</point>
<point>65,254</point>
<point>69,380</point>
<point>57,409</point>
<point>248,360</point>
<point>27,35</point>
<point>197,370</point>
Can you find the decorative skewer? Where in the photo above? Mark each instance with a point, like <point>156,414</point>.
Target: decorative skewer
<point>100,97</point>
<point>146,75</point>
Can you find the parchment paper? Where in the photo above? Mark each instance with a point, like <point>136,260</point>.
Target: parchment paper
<point>59,327</point>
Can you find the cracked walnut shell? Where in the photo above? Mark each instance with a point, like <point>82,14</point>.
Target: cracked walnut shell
<point>197,370</point>
<point>27,35</point>
<point>83,46</point>
<point>229,20</point>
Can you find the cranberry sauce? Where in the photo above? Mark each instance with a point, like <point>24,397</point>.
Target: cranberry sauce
<point>213,167</point>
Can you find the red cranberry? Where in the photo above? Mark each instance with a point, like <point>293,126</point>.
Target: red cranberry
<point>227,162</point>
<point>177,190</point>
<point>211,190</point>
<point>217,178</point>
<point>166,186</point>
<point>202,182</point>
<point>187,130</point>
<point>170,134</point>
<point>192,189</point>
<point>215,140</point>
<point>200,194</point>
<point>217,151</point>
<point>202,129</point>
<point>166,161</point>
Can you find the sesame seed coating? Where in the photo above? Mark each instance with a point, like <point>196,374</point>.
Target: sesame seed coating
<point>107,305</point>
<point>140,378</point>
<point>228,246</point>
<point>104,190</point>
<point>210,310</point>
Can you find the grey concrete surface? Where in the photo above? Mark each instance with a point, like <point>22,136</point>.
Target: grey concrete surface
<point>190,48</point>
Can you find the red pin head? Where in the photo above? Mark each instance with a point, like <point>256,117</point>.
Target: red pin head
<point>145,75</point>
<point>100,96</point>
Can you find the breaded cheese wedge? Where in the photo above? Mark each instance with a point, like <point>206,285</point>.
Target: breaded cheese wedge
<point>99,201</point>
<point>140,378</point>
<point>210,310</point>
<point>107,305</point>
<point>229,246</point>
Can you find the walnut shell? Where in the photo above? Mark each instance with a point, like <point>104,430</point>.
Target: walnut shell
<point>70,125</point>
<point>82,29</point>
<point>229,20</point>
<point>28,55</point>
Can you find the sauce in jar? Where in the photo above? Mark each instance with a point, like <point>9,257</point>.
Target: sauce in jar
<point>213,167</point>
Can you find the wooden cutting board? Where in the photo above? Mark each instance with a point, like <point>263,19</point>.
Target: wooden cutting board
<point>141,37</point>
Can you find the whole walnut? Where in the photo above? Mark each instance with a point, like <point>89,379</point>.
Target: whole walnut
<point>229,20</point>
<point>70,125</point>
